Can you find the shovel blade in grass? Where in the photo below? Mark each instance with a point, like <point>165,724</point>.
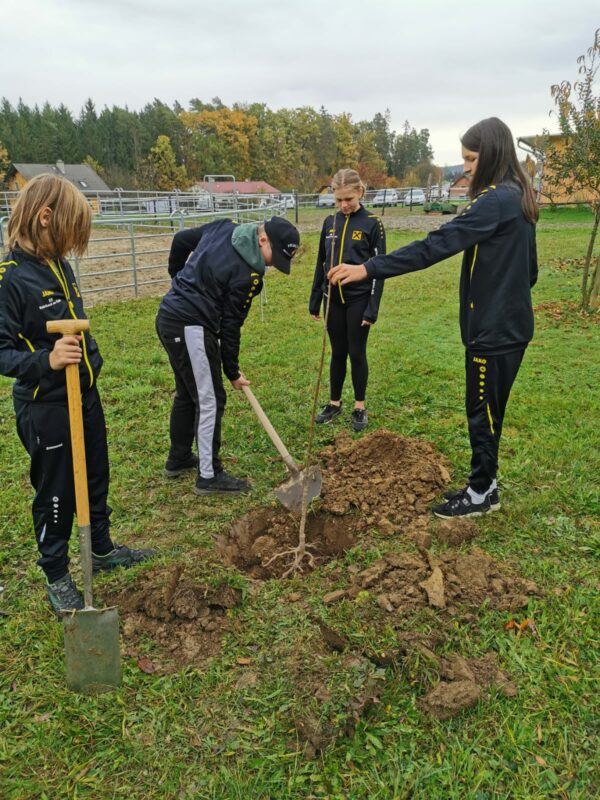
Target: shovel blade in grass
<point>92,658</point>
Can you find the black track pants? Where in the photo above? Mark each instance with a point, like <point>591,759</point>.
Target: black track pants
<point>489,381</point>
<point>45,433</point>
<point>348,338</point>
<point>195,357</point>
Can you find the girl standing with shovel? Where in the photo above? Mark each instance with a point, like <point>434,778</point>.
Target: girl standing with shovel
<point>50,219</point>
<point>496,231</point>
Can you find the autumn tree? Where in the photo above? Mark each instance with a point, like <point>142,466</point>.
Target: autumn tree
<point>160,169</point>
<point>219,141</point>
<point>575,164</point>
<point>4,162</point>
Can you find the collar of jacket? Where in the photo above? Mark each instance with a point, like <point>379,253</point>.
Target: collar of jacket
<point>244,240</point>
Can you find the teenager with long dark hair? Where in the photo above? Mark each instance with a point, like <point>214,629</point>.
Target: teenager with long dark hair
<point>355,235</point>
<point>496,231</point>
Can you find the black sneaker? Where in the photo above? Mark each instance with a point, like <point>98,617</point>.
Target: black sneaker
<point>121,556</point>
<point>461,505</point>
<point>360,419</point>
<point>175,468</point>
<point>64,596</point>
<point>493,495</point>
<point>221,483</point>
<point>329,412</point>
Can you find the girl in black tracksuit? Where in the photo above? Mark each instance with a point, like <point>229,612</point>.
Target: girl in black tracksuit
<point>496,231</point>
<point>355,235</point>
<point>50,218</point>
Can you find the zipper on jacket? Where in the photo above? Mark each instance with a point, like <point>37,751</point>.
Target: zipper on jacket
<point>342,254</point>
<point>60,276</point>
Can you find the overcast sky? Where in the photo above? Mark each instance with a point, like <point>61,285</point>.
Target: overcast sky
<point>441,64</point>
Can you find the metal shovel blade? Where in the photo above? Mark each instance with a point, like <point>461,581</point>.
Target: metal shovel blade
<point>92,655</point>
<point>290,492</point>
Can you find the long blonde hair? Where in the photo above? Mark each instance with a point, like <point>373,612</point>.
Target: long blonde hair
<point>348,179</point>
<point>70,222</point>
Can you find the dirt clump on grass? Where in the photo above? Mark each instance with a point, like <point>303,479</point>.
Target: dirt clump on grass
<point>465,681</point>
<point>407,581</point>
<point>183,616</point>
<point>251,542</point>
<point>388,479</point>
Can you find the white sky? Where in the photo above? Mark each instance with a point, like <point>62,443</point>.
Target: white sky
<point>441,64</point>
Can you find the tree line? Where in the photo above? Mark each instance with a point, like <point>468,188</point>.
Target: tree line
<point>172,147</point>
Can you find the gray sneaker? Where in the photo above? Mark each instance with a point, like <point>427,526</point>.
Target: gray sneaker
<point>64,596</point>
<point>360,419</point>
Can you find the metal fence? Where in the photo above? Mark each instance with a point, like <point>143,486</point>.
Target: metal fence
<point>128,253</point>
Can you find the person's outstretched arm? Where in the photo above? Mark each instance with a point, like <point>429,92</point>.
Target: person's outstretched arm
<point>316,293</point>
<point>476,224</point>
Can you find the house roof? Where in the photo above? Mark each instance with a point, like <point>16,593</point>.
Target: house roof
<point>239,187</point>
<point>81,175</point>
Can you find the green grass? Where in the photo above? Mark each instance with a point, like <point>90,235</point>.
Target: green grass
<point>561,214</point>
<point>196,733</point>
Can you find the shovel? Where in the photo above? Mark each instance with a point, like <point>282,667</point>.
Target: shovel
<point>92,656</point>
<point>289,493</point>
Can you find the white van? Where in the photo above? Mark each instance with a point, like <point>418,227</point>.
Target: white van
<point>388,197</point>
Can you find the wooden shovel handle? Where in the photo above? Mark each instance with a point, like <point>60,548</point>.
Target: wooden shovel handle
<point>70,327</point>
<point>273,435</point>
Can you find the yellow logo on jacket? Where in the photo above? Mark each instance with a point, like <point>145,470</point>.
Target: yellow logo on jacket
<point>356,236</point>
<point>48,293</point>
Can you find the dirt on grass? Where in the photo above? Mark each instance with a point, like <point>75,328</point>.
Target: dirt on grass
<point>182,615</point>
<point>388,479</point>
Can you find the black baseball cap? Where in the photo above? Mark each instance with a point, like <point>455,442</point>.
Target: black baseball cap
<point>285,240</point>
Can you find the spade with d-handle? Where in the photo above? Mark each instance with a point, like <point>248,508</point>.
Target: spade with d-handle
<point>92,655</point>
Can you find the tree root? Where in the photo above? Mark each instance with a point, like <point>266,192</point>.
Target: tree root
<point>300,553</point>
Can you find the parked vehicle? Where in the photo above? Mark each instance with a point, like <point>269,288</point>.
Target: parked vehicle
<point>416,197</point>
<point>289,201</point>
<point>325,201</point>
<point>388,197</point>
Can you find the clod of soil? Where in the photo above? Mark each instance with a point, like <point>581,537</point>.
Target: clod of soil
<point>184,617</point>
<point>457,531</point>
<point>465,683</point>
<point>252,541</point>
<point>389,479</point>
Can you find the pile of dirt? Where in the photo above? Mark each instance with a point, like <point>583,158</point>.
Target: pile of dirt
<point>184,617</point>
<point>388,479</point>
<point>465,682</point>
<point>251,543</point>
<point>405,582</point>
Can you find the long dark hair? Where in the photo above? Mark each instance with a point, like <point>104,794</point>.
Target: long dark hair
<point>492,140</point>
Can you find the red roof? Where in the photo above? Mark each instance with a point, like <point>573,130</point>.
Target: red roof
<point>239,187</point>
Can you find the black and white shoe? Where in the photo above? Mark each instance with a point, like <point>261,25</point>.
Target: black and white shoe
<point>64,596</point>
<point>461,505</point>
<point>493,496</point>
<point>328,413</point>
<point>221,483</point>
<point>360,419</point>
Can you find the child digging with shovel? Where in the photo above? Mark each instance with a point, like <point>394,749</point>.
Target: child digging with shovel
<point>50,219</point>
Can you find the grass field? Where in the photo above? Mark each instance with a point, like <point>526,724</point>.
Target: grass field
<point>224,730</point>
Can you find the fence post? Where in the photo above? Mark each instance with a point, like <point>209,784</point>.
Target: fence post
<point>2,231</point>
<point>77,273</point>
<point>133,261</point>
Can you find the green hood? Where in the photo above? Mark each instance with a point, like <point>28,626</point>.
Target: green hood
<point>245,241</point>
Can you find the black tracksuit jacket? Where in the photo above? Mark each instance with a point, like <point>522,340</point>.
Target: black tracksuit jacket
<point>214,287</point>
<point>498,270</point>
<point>31,293</point>
<point>358,236</point>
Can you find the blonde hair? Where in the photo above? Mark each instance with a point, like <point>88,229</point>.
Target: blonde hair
<point>348,179</point>
<point>70,222</point>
